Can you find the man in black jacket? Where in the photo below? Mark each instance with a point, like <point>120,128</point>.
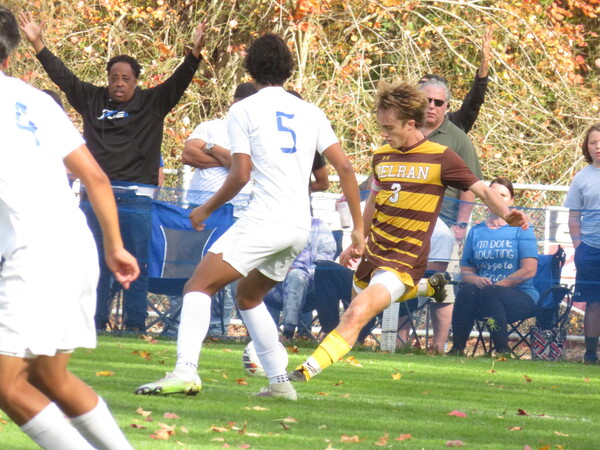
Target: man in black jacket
<point>123,128</point>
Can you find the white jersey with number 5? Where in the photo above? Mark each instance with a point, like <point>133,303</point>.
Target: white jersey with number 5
<point>280,132</point>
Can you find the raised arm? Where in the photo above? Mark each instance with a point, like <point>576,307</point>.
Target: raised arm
<point>466,116</point>
<point>32,30</point>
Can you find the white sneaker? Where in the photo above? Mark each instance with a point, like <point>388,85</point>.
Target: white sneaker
<point>279,390</point>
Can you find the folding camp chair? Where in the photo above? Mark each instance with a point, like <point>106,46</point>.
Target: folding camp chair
<point>547,315</point>
<point>175,250</point>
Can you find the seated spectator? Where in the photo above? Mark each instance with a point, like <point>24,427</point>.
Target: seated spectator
<point>497,266</point>
<point>442,244</point>
<point>289,296</point>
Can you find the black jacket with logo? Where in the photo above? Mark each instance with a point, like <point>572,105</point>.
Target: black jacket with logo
<point>124,138</point>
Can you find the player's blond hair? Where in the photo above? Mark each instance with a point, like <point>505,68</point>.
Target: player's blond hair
<point>405,99</point>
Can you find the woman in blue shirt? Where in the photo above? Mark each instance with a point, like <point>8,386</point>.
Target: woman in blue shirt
<point>497,266</point>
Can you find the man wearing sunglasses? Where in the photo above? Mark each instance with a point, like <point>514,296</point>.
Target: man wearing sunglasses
<point>456,210</point>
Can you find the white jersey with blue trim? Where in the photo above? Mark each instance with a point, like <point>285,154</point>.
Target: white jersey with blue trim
<point>281,133</point>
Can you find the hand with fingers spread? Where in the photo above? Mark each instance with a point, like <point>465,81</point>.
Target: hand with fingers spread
<point>32,30</point>
<point>198,38</point>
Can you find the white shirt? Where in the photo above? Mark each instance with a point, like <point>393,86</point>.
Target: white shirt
<point>280,132</point>
<point>205,182</point>
<point>36,202</point>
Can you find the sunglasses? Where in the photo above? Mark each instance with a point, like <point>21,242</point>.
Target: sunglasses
<point>436,101</point>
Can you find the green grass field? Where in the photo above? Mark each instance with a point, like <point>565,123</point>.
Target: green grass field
<point>391,401</point>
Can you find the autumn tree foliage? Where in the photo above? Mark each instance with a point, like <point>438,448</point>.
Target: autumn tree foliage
<point>544,71</point>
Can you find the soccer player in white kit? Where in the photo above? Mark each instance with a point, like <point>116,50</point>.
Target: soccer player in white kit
<point>273,134</point>
<point>50,270</point>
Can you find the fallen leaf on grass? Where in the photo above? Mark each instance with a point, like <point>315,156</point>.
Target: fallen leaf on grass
<point>105,373</point>
<point>241,381</point>
<point>164,433</point>
<point>454,443</point>
<point>183,430</point>
<point>256,408</point>
<point>218,439</point>
<point>135,425</point>
<point>145,355</point>
<point>325,394</point>
<point>403,437</point>
<point>293,349</point>
<point>586,380</point>
<point>350,439</point>
<point>345,395</point>
<point>169,415</point>
<point>382,441</point>
<point>515,428</point>
<point>339,383</point>
<point>457,413</point>
<point>521,412</point>
<point>227,350</point>
<point>143,413</point>
<point>396,376</point>
<point>353,361</point>
<point>558,433</point>
<point>244,446</point>
<point>288,419</point>
<point>219,429</point>
<point>527,379</point>
<point>501,359</point>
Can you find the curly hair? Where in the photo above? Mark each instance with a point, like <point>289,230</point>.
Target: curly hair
<point>405,99</point>
<point>269,60</point>
<point>584,147</point>
<point>135,66</point>
<point>9,33</point>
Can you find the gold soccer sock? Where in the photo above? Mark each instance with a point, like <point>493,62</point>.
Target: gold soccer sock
<point>331,349</point>
<point>411,292</point>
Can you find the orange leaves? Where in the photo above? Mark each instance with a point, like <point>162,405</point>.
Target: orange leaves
<point>353,361</point>
<point>105,373</point>
<point>456,413</point>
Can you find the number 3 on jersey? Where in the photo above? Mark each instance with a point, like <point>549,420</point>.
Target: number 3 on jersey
<point>281,127</point>
<point>395,193</point>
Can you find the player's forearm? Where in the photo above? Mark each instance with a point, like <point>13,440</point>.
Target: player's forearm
<point>465,207</point>
<point>350,190</point>
<point>194,156</point>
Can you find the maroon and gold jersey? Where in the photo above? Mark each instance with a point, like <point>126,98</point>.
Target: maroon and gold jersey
<point>411,184</point>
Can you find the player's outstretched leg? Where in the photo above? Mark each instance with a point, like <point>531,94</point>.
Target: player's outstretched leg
<point>331,350</point>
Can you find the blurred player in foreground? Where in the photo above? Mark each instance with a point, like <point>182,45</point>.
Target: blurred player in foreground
<point>50,270</point>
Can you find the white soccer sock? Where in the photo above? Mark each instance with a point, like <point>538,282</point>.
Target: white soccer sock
<point>50,430</point>
<point>100,429</point>
<point>265,336</point>
<point>422,288</point>
<point>193,327</point>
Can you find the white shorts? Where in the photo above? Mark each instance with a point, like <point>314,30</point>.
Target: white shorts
<point>390,281</point>
<point>270,247</point>
<point>48,297</point>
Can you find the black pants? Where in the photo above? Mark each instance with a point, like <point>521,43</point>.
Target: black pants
<point>502,304</point>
